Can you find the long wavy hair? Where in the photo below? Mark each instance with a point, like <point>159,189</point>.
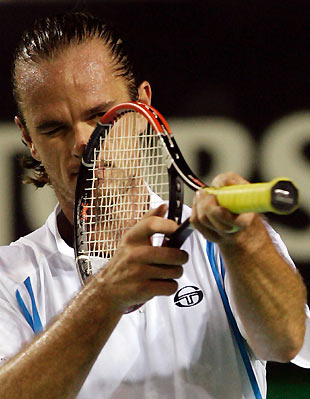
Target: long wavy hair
<point>50,36</point>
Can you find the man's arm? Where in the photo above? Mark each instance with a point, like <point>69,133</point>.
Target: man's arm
<point>268,293</point>
<point>56,364</point>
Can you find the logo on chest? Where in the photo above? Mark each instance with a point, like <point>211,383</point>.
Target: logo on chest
<point>188,296</point>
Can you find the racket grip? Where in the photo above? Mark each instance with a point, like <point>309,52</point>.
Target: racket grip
<point>279,196</point>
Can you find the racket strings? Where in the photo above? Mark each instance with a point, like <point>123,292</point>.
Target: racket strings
<point>128,168</point>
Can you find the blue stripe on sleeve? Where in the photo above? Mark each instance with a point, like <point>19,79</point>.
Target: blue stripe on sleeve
<point>24,309</point>
<point>231,319</point>
<point>34,321</point>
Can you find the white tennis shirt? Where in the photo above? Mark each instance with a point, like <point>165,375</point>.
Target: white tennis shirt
<point>173,347</point>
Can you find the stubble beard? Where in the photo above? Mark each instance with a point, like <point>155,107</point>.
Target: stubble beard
<point>65,194</point>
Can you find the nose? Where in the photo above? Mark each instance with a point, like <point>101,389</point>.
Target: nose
<point>82,133</point>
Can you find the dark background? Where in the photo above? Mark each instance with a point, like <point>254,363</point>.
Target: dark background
<point>246,60</point>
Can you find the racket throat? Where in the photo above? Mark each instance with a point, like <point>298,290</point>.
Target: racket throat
<point>176,239</point>
<point>176,195</point>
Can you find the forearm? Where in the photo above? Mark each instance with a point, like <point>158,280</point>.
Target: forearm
<point>56,364</point>
<point>269,295</point>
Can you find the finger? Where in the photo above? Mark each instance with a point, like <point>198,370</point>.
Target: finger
<point>213,226</point>
<point>148,226</point>
<point>219,218</point>
<point>164,272</point>
<point>208,215</point>
<point>140,291</point>
<point>156,256</point>
<point>228,179</point>
<point>155,272</point>
<point>215,233</point>
<point>160,288</point>
<point>159,211</point>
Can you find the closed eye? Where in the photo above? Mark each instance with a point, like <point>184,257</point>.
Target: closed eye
<point>51,127</point>
<point>54,131</point>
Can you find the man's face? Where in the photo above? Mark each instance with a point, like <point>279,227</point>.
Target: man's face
<point>62,100</point>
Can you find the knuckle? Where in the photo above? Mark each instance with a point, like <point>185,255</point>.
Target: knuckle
<point>202,218</point>
<point>151,223</point>
<point>225,179</point>
<point>130,255</point>
<point>128,236</point>
<point>127,254</point>
<point>217,181</point>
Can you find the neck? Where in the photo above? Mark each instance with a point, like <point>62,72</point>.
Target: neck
<point>65,228</point>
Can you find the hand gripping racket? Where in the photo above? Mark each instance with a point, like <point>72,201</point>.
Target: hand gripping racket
<point>132,163</point>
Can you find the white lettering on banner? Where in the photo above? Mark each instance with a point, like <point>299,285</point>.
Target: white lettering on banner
<point>37,204</point>
<point>231,145</point>
<point>9,142</point>
<point>280,153</point>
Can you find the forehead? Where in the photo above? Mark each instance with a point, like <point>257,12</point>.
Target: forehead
<point>81,67</point>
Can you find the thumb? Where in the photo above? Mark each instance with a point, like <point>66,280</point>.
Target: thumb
<point>159,211</point>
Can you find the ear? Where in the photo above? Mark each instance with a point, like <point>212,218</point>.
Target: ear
<point>27,138</point>
<point>145,92</point>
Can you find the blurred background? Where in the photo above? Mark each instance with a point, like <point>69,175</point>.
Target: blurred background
<point>231,77</point>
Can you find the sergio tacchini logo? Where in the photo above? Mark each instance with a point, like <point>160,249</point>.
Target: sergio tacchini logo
<point>188,296</point>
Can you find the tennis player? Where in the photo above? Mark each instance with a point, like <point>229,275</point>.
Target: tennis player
<point>61,340</point>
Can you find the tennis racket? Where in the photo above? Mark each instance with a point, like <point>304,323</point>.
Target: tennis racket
<point>132,163</point>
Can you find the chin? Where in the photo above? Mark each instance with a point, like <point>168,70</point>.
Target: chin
<point>66,194</point>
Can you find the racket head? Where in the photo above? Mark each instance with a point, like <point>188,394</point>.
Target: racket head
<point>127,168</point>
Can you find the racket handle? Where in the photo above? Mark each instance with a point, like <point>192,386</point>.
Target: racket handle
<point>279,196</point>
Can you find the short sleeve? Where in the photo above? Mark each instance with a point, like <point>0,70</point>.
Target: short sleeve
<point>303,357</point>
<point>14,330</point>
